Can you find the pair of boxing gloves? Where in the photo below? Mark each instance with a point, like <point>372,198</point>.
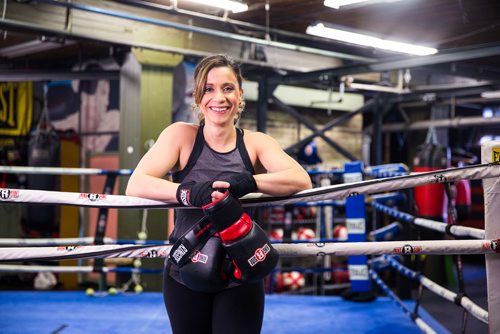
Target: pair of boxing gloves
<point>251,256</point>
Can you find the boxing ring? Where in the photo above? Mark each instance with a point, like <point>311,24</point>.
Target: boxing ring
<point>74,312</point>
<point>329,310</point>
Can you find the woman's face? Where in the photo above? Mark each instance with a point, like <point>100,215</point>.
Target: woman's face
<point>221,96</point>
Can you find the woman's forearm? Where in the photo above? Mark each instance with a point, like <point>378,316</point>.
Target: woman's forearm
<point>283,183</point>
<point>146,186</point>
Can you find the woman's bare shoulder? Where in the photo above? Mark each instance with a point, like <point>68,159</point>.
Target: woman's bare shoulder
<point>180,130</point>
<point>258,138</point>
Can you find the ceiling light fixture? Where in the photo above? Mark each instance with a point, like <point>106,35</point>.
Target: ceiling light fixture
<point>322,30</point>
<point>233,6</point>
<point>495,94</point>
<point>341,3</point>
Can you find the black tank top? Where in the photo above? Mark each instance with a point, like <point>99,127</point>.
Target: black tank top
<point>205,164</point>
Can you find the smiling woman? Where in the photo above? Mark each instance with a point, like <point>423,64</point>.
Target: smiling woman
<point>218,89</point>
<point>212,165</point>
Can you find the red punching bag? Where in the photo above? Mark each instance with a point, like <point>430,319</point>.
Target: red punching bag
<point>431,198</point>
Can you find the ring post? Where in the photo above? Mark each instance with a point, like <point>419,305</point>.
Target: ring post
<point>356,231</point>
<point>100,231</point>
<point>490,152</point>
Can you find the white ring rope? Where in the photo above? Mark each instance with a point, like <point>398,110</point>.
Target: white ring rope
<point>62,171</point>
<point>455,230</point>
<point>72,241</point>
<point>73,269</point>
<point>441,247</point>
<point>432,286</point>
<point>338,191</point>
<point>418,321</point>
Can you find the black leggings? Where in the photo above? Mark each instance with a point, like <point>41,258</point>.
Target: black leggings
<point>236,310</point>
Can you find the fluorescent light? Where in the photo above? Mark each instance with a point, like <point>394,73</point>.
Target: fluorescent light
<point>350,37</point>
<point>491,95</point>
<point>340,3</point>
<point>234,6</point>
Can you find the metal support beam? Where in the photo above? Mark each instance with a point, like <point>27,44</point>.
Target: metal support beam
<point>312,127</point>
<point>262,106</point>
<point>337,121</point>
<point>32,75</point>
<point>457,122</point>
<point>377,134</point>
<point>471,52</point>
<point>266,89</point>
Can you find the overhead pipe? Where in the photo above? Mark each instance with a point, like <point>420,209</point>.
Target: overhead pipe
<point>457,122</point>
<point>200,30</point>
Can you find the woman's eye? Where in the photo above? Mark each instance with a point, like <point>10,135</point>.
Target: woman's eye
<point>208,89</point>
<point>229,89</point>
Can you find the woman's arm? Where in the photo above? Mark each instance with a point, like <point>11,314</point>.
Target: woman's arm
<point>284,175</point>
<point>147,180</point>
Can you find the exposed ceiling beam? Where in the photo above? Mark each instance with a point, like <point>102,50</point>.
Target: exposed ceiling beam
<point>446,56</point>
<point>457,122</point>
<point>478,72</point>
<point>51,75</point>
<point>204,31</point>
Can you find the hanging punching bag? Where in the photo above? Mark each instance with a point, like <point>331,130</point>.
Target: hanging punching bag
<point>463,200</point>
<point>43,151</point>
<point>431,199</point>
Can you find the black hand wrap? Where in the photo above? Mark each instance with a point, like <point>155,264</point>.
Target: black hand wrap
<point>245,242</point>
<point>242,184</point>
<point>195,193</point>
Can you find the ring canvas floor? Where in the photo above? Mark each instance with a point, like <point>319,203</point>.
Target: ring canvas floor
<point>74,312</point>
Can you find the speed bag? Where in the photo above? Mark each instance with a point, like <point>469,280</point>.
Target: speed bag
<point>43,151</point>
<point>430,198</point>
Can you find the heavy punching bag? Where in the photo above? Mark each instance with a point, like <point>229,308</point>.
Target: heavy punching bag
<point>431,202</point>
<point>43,151</point>
<point>463,200</point>
<point>431,198</point>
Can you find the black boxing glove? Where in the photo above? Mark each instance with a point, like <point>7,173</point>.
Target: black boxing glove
<point>193,240</point>
<point>242,184</point>
<point>194,193</point>
<point>245,242</point>
<point>205,271</point>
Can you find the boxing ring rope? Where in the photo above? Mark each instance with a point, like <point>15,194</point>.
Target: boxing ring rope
<point>63,171</point>
<point>440,247</point>
<point>432,286</point>
<point>74,241</point>
<point>454,230</point>
<point>338,191</point>
<point>418,321</point>
<point>75,269</point>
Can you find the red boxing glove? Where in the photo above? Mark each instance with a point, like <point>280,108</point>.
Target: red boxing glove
<point>244,241</point>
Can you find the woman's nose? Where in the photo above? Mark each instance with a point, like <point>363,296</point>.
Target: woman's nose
<point>219,96</point>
